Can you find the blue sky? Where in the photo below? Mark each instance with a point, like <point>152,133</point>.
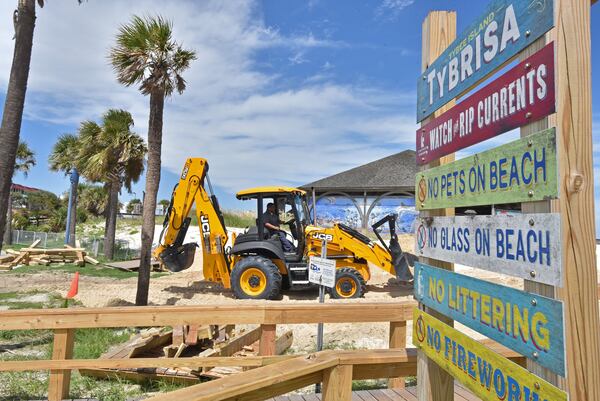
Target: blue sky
<point>283,92</point>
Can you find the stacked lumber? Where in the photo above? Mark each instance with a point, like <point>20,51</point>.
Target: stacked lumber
<point>186,341</point>
<point>32,256</point>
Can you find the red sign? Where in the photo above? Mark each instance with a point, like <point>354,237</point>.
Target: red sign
<point>523,94</point>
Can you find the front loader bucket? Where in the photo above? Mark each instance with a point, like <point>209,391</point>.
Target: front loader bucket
<point>400,260</point>
<point>180,258</point>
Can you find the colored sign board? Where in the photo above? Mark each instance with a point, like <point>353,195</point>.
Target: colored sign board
<point>523,94</point>
<point>524,170</point>
<point>487,374</point>
<point>527,246</point>
<point>504,29</point>
<point>527,323</point>
<point>321,271</point>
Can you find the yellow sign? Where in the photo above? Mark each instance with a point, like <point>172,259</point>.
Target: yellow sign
<point>487,374</point>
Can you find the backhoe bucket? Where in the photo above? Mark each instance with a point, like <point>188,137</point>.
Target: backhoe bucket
<point>400,260</point>
<point>180,258</point>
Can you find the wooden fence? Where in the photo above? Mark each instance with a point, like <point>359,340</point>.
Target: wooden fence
<point>283,373</point>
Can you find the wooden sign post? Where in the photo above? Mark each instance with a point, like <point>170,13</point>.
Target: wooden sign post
<point>564,297</point>
<point>573,121</point>
<point>433,383</point>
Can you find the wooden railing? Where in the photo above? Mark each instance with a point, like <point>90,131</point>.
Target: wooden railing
<point>267,314</point>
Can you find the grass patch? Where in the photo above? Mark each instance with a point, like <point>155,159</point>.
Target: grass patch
<point>240,220</point>
<point>377,384</point>
<point>87,270</point>
<point>91,343</point>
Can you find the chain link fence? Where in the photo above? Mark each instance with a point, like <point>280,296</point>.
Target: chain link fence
<point>124,250</point>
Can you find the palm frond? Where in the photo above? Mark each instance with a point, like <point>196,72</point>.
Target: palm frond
<point>146,55</point>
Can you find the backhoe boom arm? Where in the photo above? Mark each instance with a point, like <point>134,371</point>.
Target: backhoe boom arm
<point>171,251</point>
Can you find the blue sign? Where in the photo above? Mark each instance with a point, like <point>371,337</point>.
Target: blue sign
<point>506,28</point>
<point>527,323</point>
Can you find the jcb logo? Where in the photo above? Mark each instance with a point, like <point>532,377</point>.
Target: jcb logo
<point>204,224</point>
<point>323,236</point>
<point>184,173</point>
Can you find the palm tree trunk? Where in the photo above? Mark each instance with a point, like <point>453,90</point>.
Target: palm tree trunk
<point>155,123</point>
<point>15,99</point>
<point>111,219</point>
<point>8,229</point>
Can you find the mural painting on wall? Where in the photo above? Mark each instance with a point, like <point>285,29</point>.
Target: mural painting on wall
<point>340,209</point>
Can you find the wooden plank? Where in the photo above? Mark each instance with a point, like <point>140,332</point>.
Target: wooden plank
<point>527,323</point>
<point>91,260</point>
<point>255,313</point>
<point>138,376</point>
<point>59,381</point>
<point>366,395</point>
<point>524,170</point>
<point>465,359</point>
<point>191,336</point>
<point>527,246</point>
<point>574,124</point>
<point>439,29</point>
<point>284,342</point>
<point>237,343</point>
<point>397,337</point>
<point>127,363</point>
<point>287,374</point>
<point>56,251</point>
<point>267,339</point>
<point>35,243</point>
<point>462,66</point>
<point>177,335</point>
<point>337,383</point>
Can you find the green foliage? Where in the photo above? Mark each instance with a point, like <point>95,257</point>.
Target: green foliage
<point>25,159</point>
<point>131,205</point>
<point>240,220</point>
<point>64,153</point>
<point>111,152</point>
<point>92,198</point>
<point>146,55</point>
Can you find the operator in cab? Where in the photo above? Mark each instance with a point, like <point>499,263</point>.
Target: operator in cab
<point>272,222</point>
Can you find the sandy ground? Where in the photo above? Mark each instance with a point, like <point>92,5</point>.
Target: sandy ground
<point>188,288</point>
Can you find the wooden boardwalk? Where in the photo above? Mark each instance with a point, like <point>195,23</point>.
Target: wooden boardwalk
<point>407,394</point>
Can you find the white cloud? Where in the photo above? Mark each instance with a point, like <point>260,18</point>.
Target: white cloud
<point>251,128</point>
<point>390,9</point>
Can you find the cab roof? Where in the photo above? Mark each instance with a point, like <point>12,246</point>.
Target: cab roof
<point>279,190</point>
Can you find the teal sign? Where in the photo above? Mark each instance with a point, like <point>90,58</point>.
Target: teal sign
<point>504,29</point>
<point>527,323</point>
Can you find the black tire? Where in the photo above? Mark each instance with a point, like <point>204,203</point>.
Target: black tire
<point>270,274</point>
<point>350,278</point>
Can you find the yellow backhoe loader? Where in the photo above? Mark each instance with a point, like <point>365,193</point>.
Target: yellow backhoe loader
<point>256,266</point>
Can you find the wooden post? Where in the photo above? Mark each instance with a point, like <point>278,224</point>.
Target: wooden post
<point>267,340</point>
<point>337,383</point>
<point>433,383</point>
<point>576,198</point>
<point>58,386</point>
<point>397,340</point>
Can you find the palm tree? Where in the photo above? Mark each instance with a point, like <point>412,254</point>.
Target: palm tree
<point>63,158</point>
<point>112,154</point>
<point>24,21</point>
<point>92,198</point>
<point>24,161</point>
<point>145,54</point>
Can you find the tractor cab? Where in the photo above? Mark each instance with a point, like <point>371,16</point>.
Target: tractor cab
<point>292,212</point>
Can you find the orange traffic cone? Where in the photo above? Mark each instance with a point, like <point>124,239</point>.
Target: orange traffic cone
<point>74,287</point>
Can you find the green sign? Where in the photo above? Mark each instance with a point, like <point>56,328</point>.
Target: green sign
<point>521,171</point>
